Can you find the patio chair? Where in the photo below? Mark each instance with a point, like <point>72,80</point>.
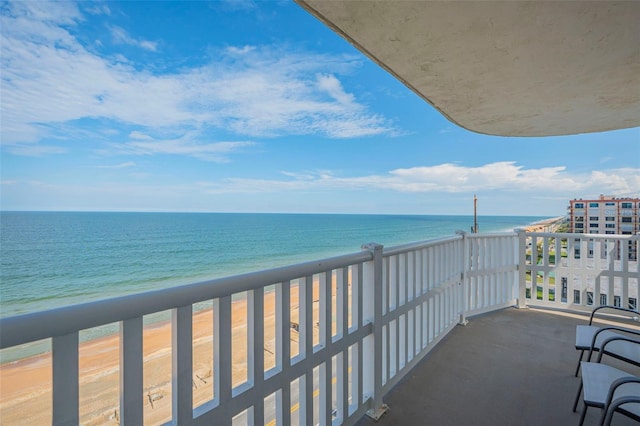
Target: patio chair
<point>626,402</point>
<point>601,382</point>
<point>590,337</point>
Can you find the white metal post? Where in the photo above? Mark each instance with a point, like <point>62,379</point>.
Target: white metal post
<point>182,364</point>
<point>462,284</point>
<point>522,261</point>
<point>131,369</point>
<point>372,302</point>
<point>65,391</point>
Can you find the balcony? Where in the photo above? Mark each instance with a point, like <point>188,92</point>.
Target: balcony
<point>509,367</point>
<point>425,328</point>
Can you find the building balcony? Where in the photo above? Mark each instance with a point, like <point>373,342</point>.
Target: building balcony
<point>448,331</point>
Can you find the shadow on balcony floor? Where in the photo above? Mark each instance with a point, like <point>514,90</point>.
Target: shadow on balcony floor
<point>511,367</point>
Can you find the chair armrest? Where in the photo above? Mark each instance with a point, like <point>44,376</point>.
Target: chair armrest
<point>603,348</point>
<point>614,328</point>
<point>617,308</point>
<point>607,415</point>
<point>616,384</point>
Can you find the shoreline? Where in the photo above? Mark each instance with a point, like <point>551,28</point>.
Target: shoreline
<point>547,225</point>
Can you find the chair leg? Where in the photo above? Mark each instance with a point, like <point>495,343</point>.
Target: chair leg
<point>607,417</point>
<point>579,361</point>
<point>584,413</point>
<point>603,419</point>
<point>575,403</point>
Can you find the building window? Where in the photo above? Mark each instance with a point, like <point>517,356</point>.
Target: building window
<point>579,218</point>
<point>610,219</point>
<point>603,299</point>
<point>610,232</point>
<point>610,225</point>
<point>627,233</point>
<point>633,303</point>
<point>593,225</point>
<point>626,205</point>
<point>580,225</point>
<point>579,205</point>
<point>593,231</point>
<point>626,219</point>
<point>592,218</point>
<point>609,204</point>
<point>616,301</point>
<point>593,204</point>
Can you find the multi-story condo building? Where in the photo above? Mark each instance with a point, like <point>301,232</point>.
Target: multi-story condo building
<point>605,215</point>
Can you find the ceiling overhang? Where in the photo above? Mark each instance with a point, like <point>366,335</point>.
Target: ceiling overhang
<point>518,68</point>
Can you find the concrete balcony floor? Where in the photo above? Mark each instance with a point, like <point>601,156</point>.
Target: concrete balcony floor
<point>510,367</point>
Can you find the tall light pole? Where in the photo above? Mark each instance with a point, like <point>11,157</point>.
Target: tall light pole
<point>475,214</point>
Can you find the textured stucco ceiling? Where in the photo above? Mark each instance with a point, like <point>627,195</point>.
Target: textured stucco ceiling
<point>512,68</point>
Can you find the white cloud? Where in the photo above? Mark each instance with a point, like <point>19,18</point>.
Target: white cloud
<point>97,9</point>
<point>120,36</point>
<point>50,80</point>
<point>28,150</point>
<point>190,144</point>
<point>333,87</point>
<point>234,50</point>
<point>451,178</point>
<point>140,136</point>
<point>119,166</point>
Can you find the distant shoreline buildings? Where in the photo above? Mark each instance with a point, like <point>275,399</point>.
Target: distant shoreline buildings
<point>605,215</point>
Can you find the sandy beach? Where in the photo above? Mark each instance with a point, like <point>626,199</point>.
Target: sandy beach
<point>549,225</point>
<point>25,385</point>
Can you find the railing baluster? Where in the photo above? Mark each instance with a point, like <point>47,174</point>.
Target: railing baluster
<point>373,362</point>
<point>325,385</point>
<point>222,358</point>
<point>326,316</point>
<point>181,363</point>
<point>283,330</point>
<point>131,369</point>
<point>65,379</point>
<point>306,326</point>
<point>255,346</point>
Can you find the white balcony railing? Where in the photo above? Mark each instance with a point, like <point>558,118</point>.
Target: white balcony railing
<point>346,329</point>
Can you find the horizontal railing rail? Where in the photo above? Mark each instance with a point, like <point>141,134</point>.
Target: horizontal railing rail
<point>57,322</point>
<point>322,342</point>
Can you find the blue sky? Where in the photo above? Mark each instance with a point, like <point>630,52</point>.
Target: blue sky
<point>254,107</point>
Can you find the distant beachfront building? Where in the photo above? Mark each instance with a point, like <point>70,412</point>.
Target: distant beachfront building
<point>606,215</point>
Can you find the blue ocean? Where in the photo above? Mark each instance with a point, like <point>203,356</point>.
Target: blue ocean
<point>52,259</point>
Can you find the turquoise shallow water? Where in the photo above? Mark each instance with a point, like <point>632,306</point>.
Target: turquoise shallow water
<point>51,259</point>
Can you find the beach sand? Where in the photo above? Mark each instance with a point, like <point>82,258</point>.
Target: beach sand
<point>25,385</point>
<point>549,225</point>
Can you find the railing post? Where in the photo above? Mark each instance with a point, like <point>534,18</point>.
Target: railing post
<point>372,344</point>
<point>65,371</point>
<point>462,284</point>
<point>522,270</point>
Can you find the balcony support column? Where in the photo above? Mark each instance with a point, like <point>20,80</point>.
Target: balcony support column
<point>372,305</point>
<point>463,285</point>
<point>522,270</point>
